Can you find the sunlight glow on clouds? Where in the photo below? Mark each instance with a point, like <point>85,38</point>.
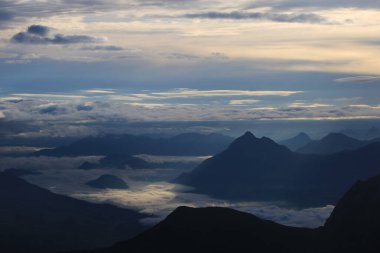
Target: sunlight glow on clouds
<point>304,105</point>
<point>47,96</point>
<point>244,101</point>
<point>188,93</point>
<point>99,91</point>
<point>359,79</point>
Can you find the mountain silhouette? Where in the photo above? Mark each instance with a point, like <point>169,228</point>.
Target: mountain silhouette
<point>353,226</point>
<point>216,229</point>
<point>22,172</point>
<point>332,143</point>
<point>108,182</point>
<point>259,169</point>
<point>296,142</point>
<point>355,221</point>
<point>36,220</point>
<point>118,161</point>
<point>183,144</point>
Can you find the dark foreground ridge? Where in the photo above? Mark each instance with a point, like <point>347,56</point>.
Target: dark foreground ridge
<point>354,226</point>
<point>35,220</point>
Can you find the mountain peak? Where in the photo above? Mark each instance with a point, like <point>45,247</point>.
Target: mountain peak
<point>248,134</point>
<point>331,143</point>
<point>303,135</point>
<point>297,141</point>
<point>330,135</point>
<point>108,182</point>
<point>249,142</point>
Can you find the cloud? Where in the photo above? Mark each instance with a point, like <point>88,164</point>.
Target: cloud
<point>376,107</point>
<point>38,30</point>
<point>88,111</point>
<point>305,105</point>
<point>85,107</point>
<point>148,105</point>
<point>276,17</point>
<point>161,198</point>
<point>190,93</point>
<point>357,79</point>
<point>319,4</point>
<point>100,91</point>
<point>182,56</point>
<point>244,101</point>
<point>102,48</point>
<point>47,95</point>
<point>38,34</point>
<point>53,109</point>
<point>6,15</point>
<point>185,93</point>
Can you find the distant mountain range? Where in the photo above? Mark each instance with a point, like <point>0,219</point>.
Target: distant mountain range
<point>259,169</point>
<point>33,219</point>
<point>118,161</point>
<point>297,141</point>
<point>332,143</point>
<point>354,226</point>
<point>183,144</point>
<point>368,134</point>
<point>122,161</point>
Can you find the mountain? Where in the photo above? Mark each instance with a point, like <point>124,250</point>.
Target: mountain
<point>297,141</point>
<point>354,226</point>
<point>108,182</point>
<point>216,229</point>
<point>36,220</point>
<point>184,144</point>
<point>333,142</point>
<point>355,221</point>
<point>119,161</point>
<point>369,134</point>
<point>22,172</point>
<point>258,169</point>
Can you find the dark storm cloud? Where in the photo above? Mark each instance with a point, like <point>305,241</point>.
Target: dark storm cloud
<point>276,17</point>
<point>38,34</point>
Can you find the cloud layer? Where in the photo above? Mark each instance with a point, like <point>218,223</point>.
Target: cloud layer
<point>149,193</point>
<point>276,17</point>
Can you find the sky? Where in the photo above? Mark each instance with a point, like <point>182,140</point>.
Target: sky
<point>70,62</point>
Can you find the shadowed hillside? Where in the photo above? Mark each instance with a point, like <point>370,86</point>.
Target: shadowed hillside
<point>35,220</point>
